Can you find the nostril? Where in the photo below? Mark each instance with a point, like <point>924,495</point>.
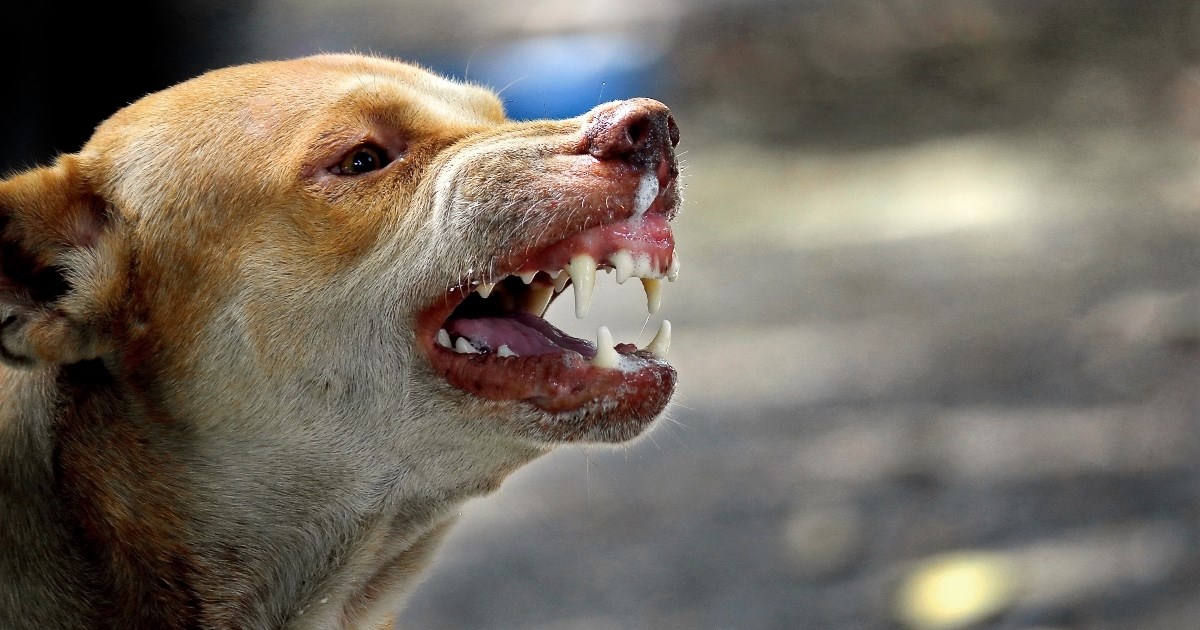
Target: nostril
<point>638,132</point>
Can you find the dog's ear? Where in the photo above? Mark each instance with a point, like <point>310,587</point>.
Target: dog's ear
<point>63,265</point>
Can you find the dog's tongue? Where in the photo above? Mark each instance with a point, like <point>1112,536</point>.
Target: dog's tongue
<point>525,335</point>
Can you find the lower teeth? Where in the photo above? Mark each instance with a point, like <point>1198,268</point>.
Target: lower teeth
<point>606,353</point>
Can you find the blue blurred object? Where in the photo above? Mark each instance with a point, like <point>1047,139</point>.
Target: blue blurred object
<point>562,76</point>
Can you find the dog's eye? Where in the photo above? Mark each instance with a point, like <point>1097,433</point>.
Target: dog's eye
<point>362,159</point>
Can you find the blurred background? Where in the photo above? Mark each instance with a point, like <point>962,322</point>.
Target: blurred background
<point>937,327</point>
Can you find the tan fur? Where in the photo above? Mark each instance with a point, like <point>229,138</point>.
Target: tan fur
<point>216,414</point>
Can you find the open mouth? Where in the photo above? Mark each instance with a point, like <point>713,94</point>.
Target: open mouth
<point>491,339</point>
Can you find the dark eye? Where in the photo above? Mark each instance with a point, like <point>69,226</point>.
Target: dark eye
<point>362,159</point>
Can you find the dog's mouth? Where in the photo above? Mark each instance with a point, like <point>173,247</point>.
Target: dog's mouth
<point>490,337</point>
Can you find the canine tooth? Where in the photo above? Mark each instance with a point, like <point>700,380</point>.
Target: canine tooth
<point>673,268</point>
<point>504,351</point>
<point>538,299</point>
<point>582,269</point>
<point>443,338</point>
<point>606,354</point>
<point>653,287</point>
<point>464,347</point>
<point>662,341</point>
<point>622,261</point>
<point>527,277</point>
<point>485,288</point>
<point>560,281</point>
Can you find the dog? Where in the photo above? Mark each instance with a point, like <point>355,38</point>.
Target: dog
<point>269,327</point>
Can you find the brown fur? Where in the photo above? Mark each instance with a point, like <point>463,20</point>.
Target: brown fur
<point>215,412</point>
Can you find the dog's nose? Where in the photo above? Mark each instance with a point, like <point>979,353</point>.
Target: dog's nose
<point>640,131</point>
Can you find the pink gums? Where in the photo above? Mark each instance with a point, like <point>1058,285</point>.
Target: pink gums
<point>650,235</point>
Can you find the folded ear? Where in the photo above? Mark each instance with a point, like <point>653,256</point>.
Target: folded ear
<point>63,265</point>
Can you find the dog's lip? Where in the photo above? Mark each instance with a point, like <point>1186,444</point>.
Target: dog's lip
<point>564,380</point>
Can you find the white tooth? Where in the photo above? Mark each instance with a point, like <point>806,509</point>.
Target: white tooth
<point>622,261</point>
<point>653,287</point>
<point>527,277</point>
<point>464,347</point>
<point>554,274</point>
<point>485,288</point>
<point>560,281</point>
<point>662,341</point>
<point>646,192</point>
<point>606,354</point>
<point>583,277</point>
<point>538,299</point>
<point>642,266</point>
<point>443,338</point>
<point>673,268</point>
<point>504,351</point>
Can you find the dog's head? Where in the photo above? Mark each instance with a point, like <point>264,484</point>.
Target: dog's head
<point>351,242</point>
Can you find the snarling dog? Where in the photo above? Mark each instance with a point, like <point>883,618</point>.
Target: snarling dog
<point>270,326</point>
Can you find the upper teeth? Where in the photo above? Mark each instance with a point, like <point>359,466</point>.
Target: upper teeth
<point>653,287</point>
<point>622,261</point>
<point>581,272</point>
<point>538,299</point>
<point>583,277</point>
<point>560,280</point>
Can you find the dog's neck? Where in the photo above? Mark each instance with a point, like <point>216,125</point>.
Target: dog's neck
<point>104,492</point>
